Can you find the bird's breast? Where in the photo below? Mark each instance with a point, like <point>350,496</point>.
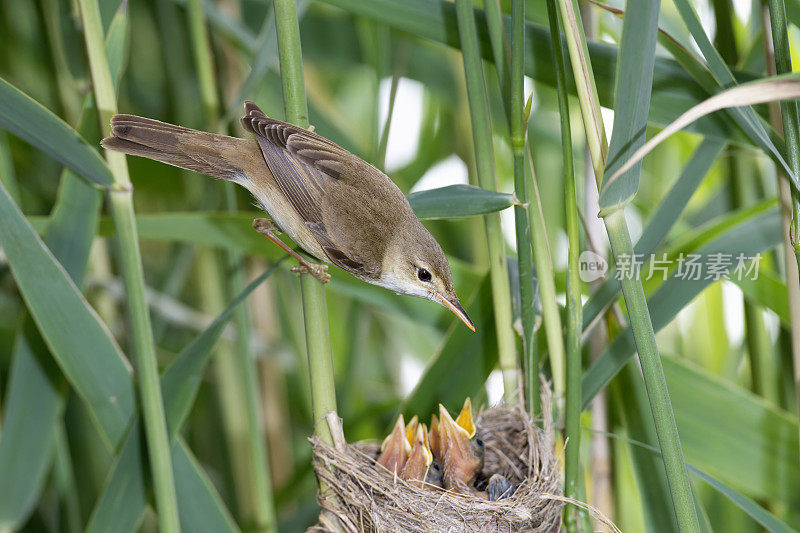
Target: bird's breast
<point>285,216</point>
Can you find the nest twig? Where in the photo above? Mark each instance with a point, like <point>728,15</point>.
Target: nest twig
<point>361,496</point>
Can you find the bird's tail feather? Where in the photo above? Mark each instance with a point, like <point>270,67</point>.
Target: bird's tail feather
<point>215,155</point>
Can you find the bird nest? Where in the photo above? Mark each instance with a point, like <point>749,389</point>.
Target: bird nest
<point>358,495</point>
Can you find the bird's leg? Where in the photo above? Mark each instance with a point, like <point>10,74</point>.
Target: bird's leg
<point>264,225</point>
<point>267,228</point>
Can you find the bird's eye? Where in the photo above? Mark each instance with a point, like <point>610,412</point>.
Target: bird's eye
<point>479,442</point>
<point>423,275</point>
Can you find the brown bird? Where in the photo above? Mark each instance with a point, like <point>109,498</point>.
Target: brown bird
<point>420,465</point>
<point>461,450</point>
<point>337,207</point>
<point>395,448</point>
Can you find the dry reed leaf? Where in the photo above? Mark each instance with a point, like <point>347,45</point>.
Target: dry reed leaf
<point>759,92</point>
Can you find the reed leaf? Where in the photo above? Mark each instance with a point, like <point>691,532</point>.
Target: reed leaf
<point>69,325</point>
<point>659,225</point>
<point>29,120</point>
<point>750,235</point>
<point>758,92</point>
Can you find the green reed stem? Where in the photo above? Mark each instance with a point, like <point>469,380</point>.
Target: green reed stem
<point>291,61</point>
<point>742,188</point>
<point>532,244</point>
<point>258,494</point>
<point>530,356</point>
<point>621,245</point>
<point>789,119</point>
<point>315,310</point>
<point>789,114</point>
<point>586,87</point>
<point>500,51</point>
<point>572,409</point>
<point>204,63</point>
<point>481,134</point>
<point>121,205</point>
<point>655,383</point>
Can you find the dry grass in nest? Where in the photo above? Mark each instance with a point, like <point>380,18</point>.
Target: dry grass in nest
<point>362,496</point>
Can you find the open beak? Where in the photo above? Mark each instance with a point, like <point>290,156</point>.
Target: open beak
<point>411,429</point>
<point>395,448</point>
<point>420,458</point>
<point>461,460</point>
<point>455,306</point>
<point>465,420</point>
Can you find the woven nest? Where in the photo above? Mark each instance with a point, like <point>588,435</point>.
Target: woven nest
<point>361,496</point>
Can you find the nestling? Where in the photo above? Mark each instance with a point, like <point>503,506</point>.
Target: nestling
<point>334,205</point>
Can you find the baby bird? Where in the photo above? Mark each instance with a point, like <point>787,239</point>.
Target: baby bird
<point>395,448</point>
<point>461,451</point>
<point>419,468</point>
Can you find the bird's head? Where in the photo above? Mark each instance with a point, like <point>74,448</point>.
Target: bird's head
<point>395,448</point>
<point>461,449</point>
<point>415,264</point>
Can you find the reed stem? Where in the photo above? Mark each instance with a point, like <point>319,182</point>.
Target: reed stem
<point>533,249</point>
<point>257,495</point>
<point>585,85</point>
<point>530,356</point>
<point>121,205</point>
<point>572,408</point>
<point>481,135</point>
<point>655,383</point>
<point>315,310</point>
<point>789,114</point>
<point>621,245</point>
<point>790,203</point>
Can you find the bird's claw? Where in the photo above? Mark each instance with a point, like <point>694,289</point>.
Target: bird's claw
<point>265,225</point>
<point>318,271</point>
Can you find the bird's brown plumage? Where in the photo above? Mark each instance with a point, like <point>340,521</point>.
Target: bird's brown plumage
<point>337,207</point>
<point>345,202</point>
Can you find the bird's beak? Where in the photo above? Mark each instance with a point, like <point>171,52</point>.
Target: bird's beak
<point>420,457</point>
<point>433,436</point>
<point>465,420</point>
<point>455,306</point>
<point>460,460</point>
<point>395,449</point>
<point>411,429</point>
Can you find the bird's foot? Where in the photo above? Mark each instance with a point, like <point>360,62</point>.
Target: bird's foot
<point>267,228</point>
<point>318,271</point>
<point>499,487</point>
<point>265,225</point>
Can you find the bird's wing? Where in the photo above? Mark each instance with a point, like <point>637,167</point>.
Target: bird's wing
<point>304,165</point>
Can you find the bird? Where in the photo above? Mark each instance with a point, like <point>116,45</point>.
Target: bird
<point>395,448</point>
<point>420,468</point>
<point>462,454</point>
<point>461,451</point>
<point>337,207</point>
